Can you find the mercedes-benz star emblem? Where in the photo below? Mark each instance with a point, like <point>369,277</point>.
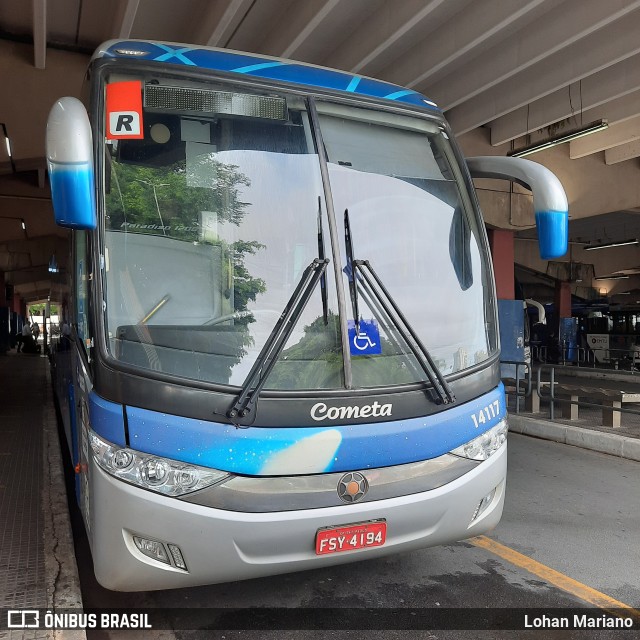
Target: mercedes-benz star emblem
<point>352,487</point>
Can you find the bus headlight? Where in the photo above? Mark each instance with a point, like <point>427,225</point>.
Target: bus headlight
<point>485,445</point>
<point>162,475</point>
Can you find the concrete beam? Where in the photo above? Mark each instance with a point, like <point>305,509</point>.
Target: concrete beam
<point>292,33</point>
<point>472,31</point>
<point>223,18</point>
<point>615,135</point>
<point>38,89</point>
<point>383,29</point>
<point>612,44</point>
<point>550,33</point>
<point>618,81</point>
<point>35,292</point>
<point>622,152</point>
<point>33,274</point>
<point>614,111</point>
<point>39,8</point>
<point>124,18</point>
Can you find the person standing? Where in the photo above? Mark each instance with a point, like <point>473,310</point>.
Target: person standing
<point>26,334</point>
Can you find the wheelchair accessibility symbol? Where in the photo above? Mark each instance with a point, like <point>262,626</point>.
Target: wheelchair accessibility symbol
<point>362,341</point>
<point>366,341</point>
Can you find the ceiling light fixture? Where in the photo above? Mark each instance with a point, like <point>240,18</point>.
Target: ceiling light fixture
<point>607,245</point>
<point>23,224</point>
<point>594,127</point>
<point>612,278</point>
<point>7,141</point>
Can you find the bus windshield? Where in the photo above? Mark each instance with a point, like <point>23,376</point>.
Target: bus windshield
<point>213,215</point>
<point>410,216</point>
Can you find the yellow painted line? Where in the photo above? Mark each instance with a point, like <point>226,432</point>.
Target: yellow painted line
<point>557,579</point>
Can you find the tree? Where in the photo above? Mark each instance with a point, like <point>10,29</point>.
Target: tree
<point>169,201</point>
<point>160,200</point>
<point>38,309</point>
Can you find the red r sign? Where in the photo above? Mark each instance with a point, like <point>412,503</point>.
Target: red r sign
<point>124,111</point>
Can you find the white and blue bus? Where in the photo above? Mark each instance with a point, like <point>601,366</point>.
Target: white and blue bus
<point>284,346</point>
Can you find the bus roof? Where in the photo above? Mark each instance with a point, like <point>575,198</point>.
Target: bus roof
<point>265,67</point>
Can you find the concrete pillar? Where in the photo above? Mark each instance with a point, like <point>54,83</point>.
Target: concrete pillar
<point>563,299</point>
<point>4,317</point>
<point>502,252</point>
<point>562,328</point>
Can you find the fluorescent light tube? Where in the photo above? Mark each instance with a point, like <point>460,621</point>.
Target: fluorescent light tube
<point>607,245</point>
<point>598,125</point>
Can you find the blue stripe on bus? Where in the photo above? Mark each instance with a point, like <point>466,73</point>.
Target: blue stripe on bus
<point>355,81</point>
<point>330,448</point>
<point>258,66</point>
<point>173,52</point>
<point>399,94</point>
<point>107,419</point>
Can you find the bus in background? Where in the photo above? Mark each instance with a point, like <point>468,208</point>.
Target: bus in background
<point>612,335</point>
<point>285,347</point>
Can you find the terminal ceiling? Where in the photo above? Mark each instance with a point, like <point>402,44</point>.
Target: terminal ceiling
<point>505,72</point>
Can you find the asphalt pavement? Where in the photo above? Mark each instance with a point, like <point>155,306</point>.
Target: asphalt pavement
<point>568,536</point>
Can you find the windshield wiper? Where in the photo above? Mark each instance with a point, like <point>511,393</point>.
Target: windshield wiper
<point>268,356</point>
<point>440,386</point>
<point>441,389</point>
<point>350,270</point>
<point>323,278</point>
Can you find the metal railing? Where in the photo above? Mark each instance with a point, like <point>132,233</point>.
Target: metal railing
<point>522,387</point>
<point>522,373</point>
<point>608,359</point>
<point>553,398</point>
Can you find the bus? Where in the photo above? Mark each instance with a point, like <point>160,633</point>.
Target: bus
<point>282,348</point>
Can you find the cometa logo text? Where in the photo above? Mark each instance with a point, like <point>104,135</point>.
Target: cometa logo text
<point>320,411</point>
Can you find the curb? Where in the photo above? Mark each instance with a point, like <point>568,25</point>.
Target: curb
<point>610,443</point>
<point>61,570</point>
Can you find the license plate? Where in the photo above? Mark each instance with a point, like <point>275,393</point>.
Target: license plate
<point>352,536</point>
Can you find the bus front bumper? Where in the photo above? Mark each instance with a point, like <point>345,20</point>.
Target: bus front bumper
<point>224,546</point>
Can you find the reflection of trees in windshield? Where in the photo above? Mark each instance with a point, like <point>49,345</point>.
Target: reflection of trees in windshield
<point>245,287</point>
<point>297,366</point>
<point>158,200</point>
<point>161,202</point>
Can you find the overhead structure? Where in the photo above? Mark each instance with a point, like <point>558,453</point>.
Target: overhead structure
<point>509,75</point>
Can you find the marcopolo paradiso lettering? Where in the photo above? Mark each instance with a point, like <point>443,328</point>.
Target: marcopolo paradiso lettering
<point>321,411</point>
<point>132,226</point>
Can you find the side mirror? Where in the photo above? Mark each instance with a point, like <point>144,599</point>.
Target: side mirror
<point>69,152</point>
<point>549,198</point>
